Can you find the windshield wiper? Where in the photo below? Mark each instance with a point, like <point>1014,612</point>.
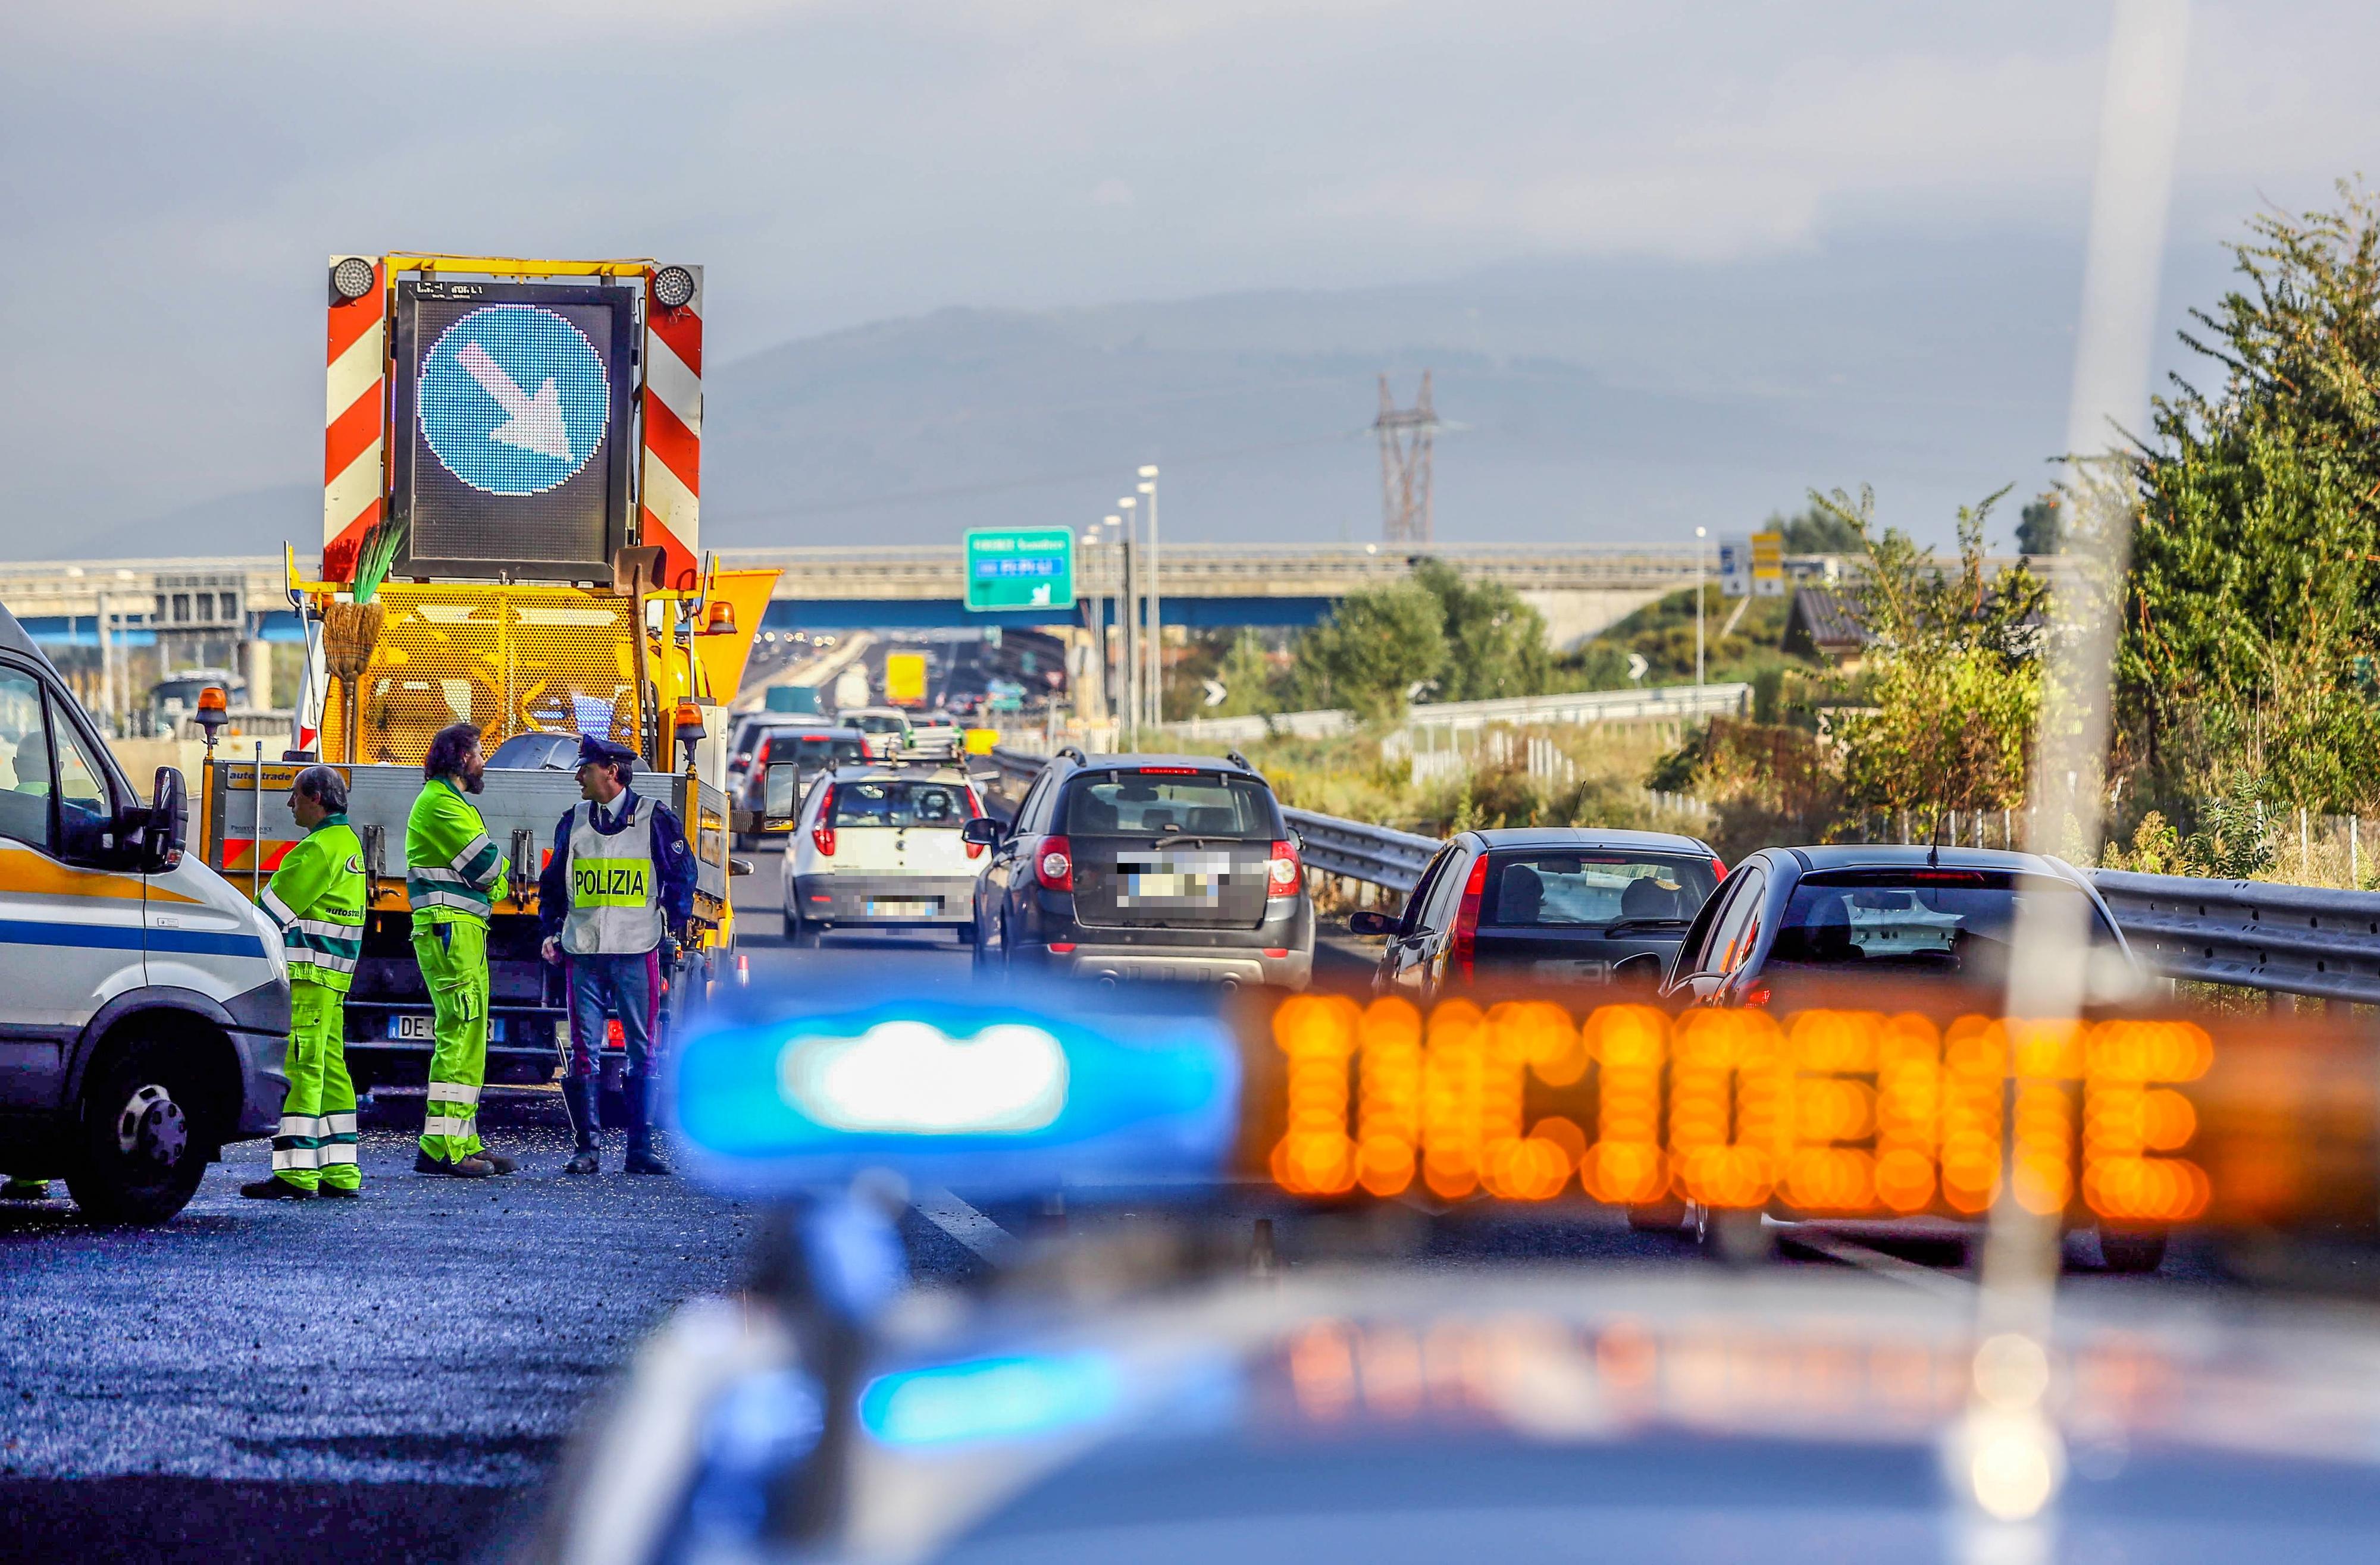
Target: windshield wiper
<point>1630,926</point>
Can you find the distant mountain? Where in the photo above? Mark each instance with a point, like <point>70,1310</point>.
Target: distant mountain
<point>1610,400</point>
<point>1594,401</point>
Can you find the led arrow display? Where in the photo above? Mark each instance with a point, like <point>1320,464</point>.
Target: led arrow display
<point>481,422</point>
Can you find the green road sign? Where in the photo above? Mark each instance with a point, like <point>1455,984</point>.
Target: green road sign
<point>1020,568</point>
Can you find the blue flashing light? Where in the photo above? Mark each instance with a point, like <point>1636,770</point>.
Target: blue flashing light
<point>991,1399</point>
<point>998,1096</point>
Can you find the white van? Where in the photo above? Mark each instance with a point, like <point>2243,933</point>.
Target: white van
<point>144,1002</point>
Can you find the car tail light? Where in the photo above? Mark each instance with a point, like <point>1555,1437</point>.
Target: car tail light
<point>1719,870</point>
<point>1465,939</point>
<point>823,832</point>
<point>1054,865</point>
<point>1063,947</point>
<point>975,811</point>
<point>1281,871</point>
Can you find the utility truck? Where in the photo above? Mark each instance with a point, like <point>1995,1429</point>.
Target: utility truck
<point>513,545</point>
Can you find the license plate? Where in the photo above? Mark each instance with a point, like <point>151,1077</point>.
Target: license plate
<point>1193,877</point>
<point>902,909</point>
<point>412,1029</point>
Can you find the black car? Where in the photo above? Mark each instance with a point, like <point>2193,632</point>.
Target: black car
<point>1560,904</point>
<point>1145,867</point>
<point>1825,917</point>
<point>539,750</point>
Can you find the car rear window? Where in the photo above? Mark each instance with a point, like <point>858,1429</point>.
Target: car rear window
<point>1573,889</point>
<point>871,801</point>
<point>810,750</point>
<point>1942,920</point>
<point>1152,803</point>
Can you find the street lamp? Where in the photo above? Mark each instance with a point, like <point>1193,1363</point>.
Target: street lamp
<point>1156,608</point>
<point>1699,534</point>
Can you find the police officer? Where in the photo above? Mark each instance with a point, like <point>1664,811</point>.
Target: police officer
<point>453,876</point>
<point>317,897</point>
<point>619,882</point>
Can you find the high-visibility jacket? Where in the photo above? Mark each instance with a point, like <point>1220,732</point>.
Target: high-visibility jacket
<point>452,871</point>
<point>317,896</point>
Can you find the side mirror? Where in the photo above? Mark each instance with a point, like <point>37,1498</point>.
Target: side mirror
<point>167,829</point>
<point>1642,972</point>
<point>983,831</point>
<point>781,796</point>
<point>1370,922</point>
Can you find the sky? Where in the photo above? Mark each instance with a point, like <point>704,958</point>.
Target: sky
<point>176,173</point>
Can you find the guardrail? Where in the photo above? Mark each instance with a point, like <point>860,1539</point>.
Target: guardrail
<point>2250,934</point>
<point>2253,934</point>
<point>1659,704</point>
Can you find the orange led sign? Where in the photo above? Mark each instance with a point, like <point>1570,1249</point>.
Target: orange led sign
<point>1823,1113</point>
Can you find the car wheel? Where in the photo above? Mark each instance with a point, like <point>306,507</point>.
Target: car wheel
<point>144,1143</point>
<point>1658,1217</point>
<point>801,936</point>
<point>965,932</point>
<point>1732,1236</point>
<point>2132,1250</point>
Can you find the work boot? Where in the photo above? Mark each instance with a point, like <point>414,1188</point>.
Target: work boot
<point>641,1157</point>
<point>497,1161</point>
<point>341,1191</point>
<point>25,1190</point>
<point>275,1188</point>
<point>461,1168</point>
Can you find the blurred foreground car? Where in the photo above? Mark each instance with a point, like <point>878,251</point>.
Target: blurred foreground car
<point>1166,1380</point>
<point>1549,904</point>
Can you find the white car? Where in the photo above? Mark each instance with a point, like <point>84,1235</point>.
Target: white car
<point>880,847</point>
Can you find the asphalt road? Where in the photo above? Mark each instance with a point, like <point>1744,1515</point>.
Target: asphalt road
<point>391,1379</point>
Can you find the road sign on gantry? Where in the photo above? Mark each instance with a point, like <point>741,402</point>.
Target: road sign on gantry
<point>1020,568</point>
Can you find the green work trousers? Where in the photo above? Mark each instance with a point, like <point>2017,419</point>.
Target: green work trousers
<point>453,957</point>
<point>316,1144</point>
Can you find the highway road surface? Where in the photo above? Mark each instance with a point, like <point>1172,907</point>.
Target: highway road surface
<point>392,1380</point>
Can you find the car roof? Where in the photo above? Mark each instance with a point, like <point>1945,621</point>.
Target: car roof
<point>825,731</point>
<point>1919,856</point>
<point>1590,836</point>
<point>1141,762</point>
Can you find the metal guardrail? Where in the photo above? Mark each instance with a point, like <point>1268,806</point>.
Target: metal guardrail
<point>2253,934</point>
<point>2250,934</point>
<point>1380,855</point>
<point>1660,703</point>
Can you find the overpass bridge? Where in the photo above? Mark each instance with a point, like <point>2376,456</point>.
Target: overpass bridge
<point>1579,587</point>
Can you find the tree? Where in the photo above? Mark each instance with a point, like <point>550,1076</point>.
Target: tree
<point>1953,676</point>
<point>2253,597</point>
<point>2038,531</point>
<point>1376,643</point>
<point>1818,531</point>
<point>1246,676</point>
<point>1495,643</point>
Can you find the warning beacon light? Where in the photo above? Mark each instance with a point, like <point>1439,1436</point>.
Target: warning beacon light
<point>1010,1096</point>
<point>351,279</point>
<point>212,713</point>
<point>721,620</point>
<point>673,287</point>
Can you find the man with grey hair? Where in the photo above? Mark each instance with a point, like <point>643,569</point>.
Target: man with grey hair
<point>317,898</point>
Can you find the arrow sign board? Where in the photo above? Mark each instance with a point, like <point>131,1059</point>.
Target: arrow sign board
<point>1010,568</point>
<point>1636,666</point>
<point>1217,693</point>
<point>513,436</point>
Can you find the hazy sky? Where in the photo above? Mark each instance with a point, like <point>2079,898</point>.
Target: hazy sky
<point>175,172</point>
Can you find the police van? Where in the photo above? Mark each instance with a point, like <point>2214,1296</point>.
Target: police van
<point>144,1002</point>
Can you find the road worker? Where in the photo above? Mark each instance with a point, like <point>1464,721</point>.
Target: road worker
<point>317,896</point>
<point>453,876</point>
<point>620,881</point>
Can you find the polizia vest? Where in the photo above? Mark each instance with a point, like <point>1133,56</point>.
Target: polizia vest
<point>616,887</point>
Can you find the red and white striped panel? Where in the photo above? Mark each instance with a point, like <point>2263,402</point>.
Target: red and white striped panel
<point>672,479</point>
<point>354,420</point>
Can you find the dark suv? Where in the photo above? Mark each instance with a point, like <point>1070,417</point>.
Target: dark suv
<point>1145,867</point>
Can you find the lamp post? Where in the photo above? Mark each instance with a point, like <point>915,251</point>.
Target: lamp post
<point>1132,634</point>
<point>1699,534</point>
<point>1124,643</point>
<point>1156,608</point>
<point>1095,662</point>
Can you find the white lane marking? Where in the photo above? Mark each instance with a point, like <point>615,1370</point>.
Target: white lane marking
<point>1851,1253</point>
<point>977,1232</point>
